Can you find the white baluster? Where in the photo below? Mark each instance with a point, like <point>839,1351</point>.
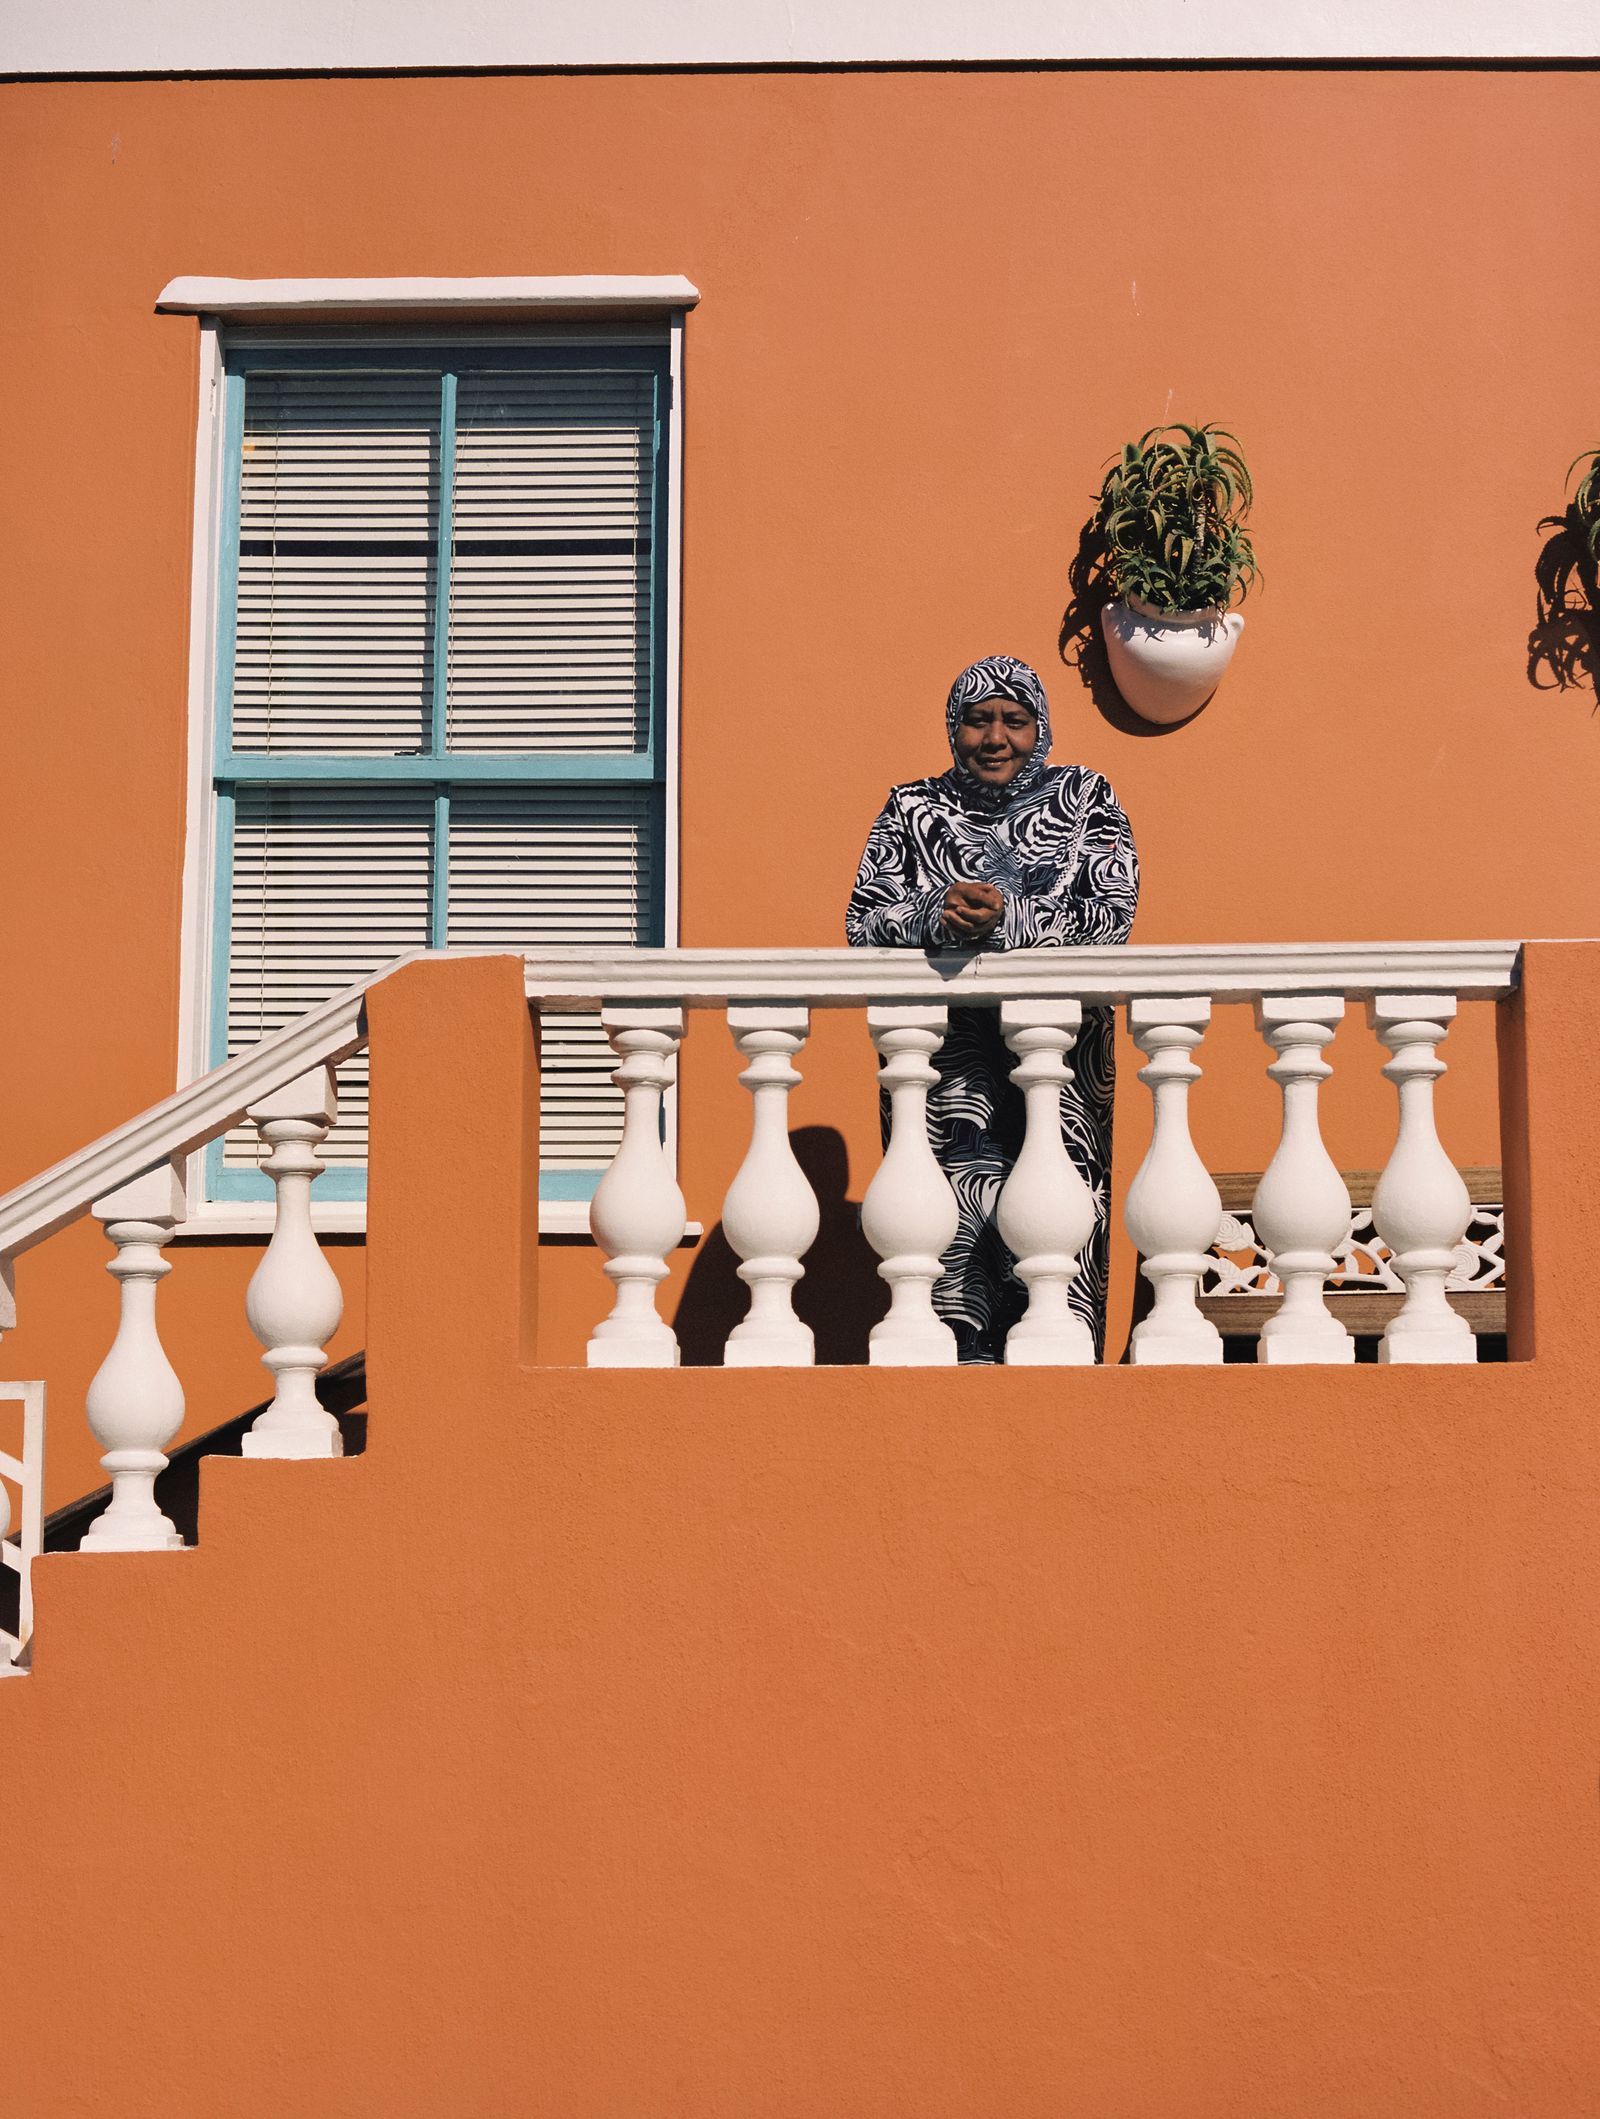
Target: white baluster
<point>1301,1209</point>
<point>908,1213</point>
<point>637,1216</point>
<point>294,1301</point>
<point>1045,1210</point>
<point>135,1402</point>
<point>1173,1209</point>
<point>770,1216</point>
<point>1421,1207</point>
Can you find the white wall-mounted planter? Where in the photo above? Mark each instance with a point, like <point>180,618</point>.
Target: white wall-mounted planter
<point>1168,663</point>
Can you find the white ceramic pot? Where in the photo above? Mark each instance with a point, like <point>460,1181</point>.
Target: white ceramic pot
<point>1168,663</point>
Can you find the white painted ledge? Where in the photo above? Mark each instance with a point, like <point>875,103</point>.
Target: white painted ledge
<point>337,1217</point>
<point>1098,975</point>
<point>560,294</point>
<point>348,1217</point>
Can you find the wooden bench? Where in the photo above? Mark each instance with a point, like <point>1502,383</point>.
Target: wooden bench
<point>1241,1315</point>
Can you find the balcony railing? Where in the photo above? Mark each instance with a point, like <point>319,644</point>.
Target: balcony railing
<point>131,1180</point>
<point>1301,1211</point>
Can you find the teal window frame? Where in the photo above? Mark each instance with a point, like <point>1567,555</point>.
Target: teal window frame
<point>437,767</point>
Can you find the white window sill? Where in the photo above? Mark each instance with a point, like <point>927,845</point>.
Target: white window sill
<point>348,1217</point>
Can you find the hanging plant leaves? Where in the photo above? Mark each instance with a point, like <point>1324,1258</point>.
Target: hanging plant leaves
<point>1170,519</point>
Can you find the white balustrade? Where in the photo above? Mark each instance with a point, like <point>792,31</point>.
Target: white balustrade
<point>1421,1207</point>
<point>1173,1209</point>
<point>135,1402</point>
<point>1302,1208</point>
<point>1045,1211</point>
<point>637,1216</point>
<point>909,1216</point>
<point>908,1213</point>
<point>770,1216</point>
<point>294,1301</point>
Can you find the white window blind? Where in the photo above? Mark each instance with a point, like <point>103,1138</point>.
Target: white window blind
<point>446,598</point>
<point>338,505</point>
<point>328,883</point>
<point>549,608</point>
<point>557,866</point>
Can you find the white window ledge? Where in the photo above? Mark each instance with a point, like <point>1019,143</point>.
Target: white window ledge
<point>571,294</point>
<point>348,1217</point>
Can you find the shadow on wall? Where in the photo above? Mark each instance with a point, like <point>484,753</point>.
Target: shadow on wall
<point>1082,645</point>
<point>1564,645</point>
<point>840,1296</point>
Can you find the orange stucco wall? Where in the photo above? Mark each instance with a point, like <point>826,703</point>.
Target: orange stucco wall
<point>932,305</point>
<point>1003,1742</point>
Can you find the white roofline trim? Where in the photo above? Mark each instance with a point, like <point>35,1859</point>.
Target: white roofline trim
<point>197,294</point>
<point>310,36</point>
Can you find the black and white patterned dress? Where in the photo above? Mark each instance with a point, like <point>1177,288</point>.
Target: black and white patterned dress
<point>1059,848</point>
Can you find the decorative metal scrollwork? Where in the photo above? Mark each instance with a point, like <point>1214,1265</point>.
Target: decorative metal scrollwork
<point>1239,1266</point>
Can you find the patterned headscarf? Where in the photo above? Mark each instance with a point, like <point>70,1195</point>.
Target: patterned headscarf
<point>1002,677</point>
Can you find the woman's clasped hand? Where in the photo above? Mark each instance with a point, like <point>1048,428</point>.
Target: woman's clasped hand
<point>972,911</point>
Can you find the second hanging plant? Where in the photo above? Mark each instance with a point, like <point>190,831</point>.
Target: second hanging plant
<point>1172,544</point>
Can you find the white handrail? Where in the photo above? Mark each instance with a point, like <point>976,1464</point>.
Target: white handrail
<point>188,1118</point>
<point>824,978</point>
<point>848,978</point>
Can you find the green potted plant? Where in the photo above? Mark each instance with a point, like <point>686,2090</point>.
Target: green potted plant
<point>1565,640</point>
<point>1586,501</point>
<point>1172,548</point>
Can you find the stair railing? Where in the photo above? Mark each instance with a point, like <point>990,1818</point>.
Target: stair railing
<point>132,1181</point>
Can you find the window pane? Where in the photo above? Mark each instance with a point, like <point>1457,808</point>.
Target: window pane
<point>327,885</point>
<point>536,867</point>
<point>550,636</point>
<point>338,504</point>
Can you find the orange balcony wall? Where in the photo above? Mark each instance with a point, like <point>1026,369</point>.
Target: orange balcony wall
<point>703,1742</point>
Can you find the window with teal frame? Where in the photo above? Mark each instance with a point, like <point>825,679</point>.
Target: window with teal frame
<point>441,693</point>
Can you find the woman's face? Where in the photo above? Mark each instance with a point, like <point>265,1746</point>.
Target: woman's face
<point>995,739</point>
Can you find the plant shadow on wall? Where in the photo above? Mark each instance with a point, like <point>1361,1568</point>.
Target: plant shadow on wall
<point>1081,642</point>
<point>840,1295</point>
<point>1148,624</point>
<point>1564,645</point>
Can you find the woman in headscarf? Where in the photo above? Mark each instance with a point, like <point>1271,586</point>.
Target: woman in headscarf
<point>1003,851</point>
